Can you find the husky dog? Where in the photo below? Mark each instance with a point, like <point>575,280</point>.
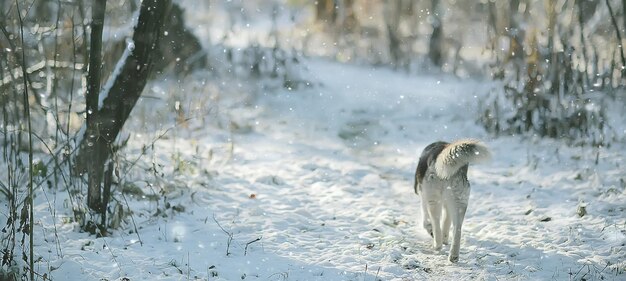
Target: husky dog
<point>441,181</point>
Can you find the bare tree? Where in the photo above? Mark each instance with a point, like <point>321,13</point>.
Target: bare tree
<point>93,92</point>
<point>619,36</point>
<point>392,22</point>
<point>436,38</point>
<point>109,109</point>
<point>325,11</point>
<point>624,12</point>
<point>29,204</point>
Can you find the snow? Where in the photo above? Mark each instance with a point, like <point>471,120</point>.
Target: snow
<point>317,184</point>
<point>226,180</point>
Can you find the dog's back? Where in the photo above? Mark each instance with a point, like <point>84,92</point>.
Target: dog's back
<point>427,159</point>
<point>449,158</point>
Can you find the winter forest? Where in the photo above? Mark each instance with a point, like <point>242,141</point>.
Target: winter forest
<point>279,139</point>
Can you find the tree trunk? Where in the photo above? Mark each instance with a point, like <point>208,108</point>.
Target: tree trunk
<point>436,38</point>
<point>392,14</point>
<point>106,120</point>
<point>583,44</point>
<point>619,38</point>
<point>93,90</point>
<point>493,23</point>
<point>516,32</point>
<point>624,13</point>
<point>325,11</point>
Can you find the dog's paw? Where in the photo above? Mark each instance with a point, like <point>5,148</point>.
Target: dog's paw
<point>453,259</point>
<point>429,228</point>
<point>445,240</point>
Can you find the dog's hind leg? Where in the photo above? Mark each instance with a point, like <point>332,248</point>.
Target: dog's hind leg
<point>434,211</point>
<point>426,222</point>
<point>456,210</point>
<point>445,226</point>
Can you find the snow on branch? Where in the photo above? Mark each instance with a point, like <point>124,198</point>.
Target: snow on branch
<point>104,93</point>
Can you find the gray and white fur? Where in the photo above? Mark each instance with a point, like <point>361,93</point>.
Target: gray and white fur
<point>441,181</point>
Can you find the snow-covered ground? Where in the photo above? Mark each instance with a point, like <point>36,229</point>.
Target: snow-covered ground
<point>317,184</point>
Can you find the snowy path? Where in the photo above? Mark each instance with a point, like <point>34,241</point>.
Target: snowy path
<point>323,178</point>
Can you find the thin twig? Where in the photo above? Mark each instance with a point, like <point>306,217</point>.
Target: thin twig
<point>245,251</point>
<point>31,217</point>
<point>132,219</point>
<point>51,206</point>
<point>112,254</point>
<point>230,235</point>
<point>145,148</point>
<point>377,272</point>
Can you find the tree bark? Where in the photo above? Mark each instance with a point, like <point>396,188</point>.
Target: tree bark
<point>105,123</point>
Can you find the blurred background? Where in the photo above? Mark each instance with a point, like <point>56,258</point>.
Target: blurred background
<point>554,60</point>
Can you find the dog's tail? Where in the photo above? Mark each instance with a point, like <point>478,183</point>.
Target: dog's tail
<point>458,154</point>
